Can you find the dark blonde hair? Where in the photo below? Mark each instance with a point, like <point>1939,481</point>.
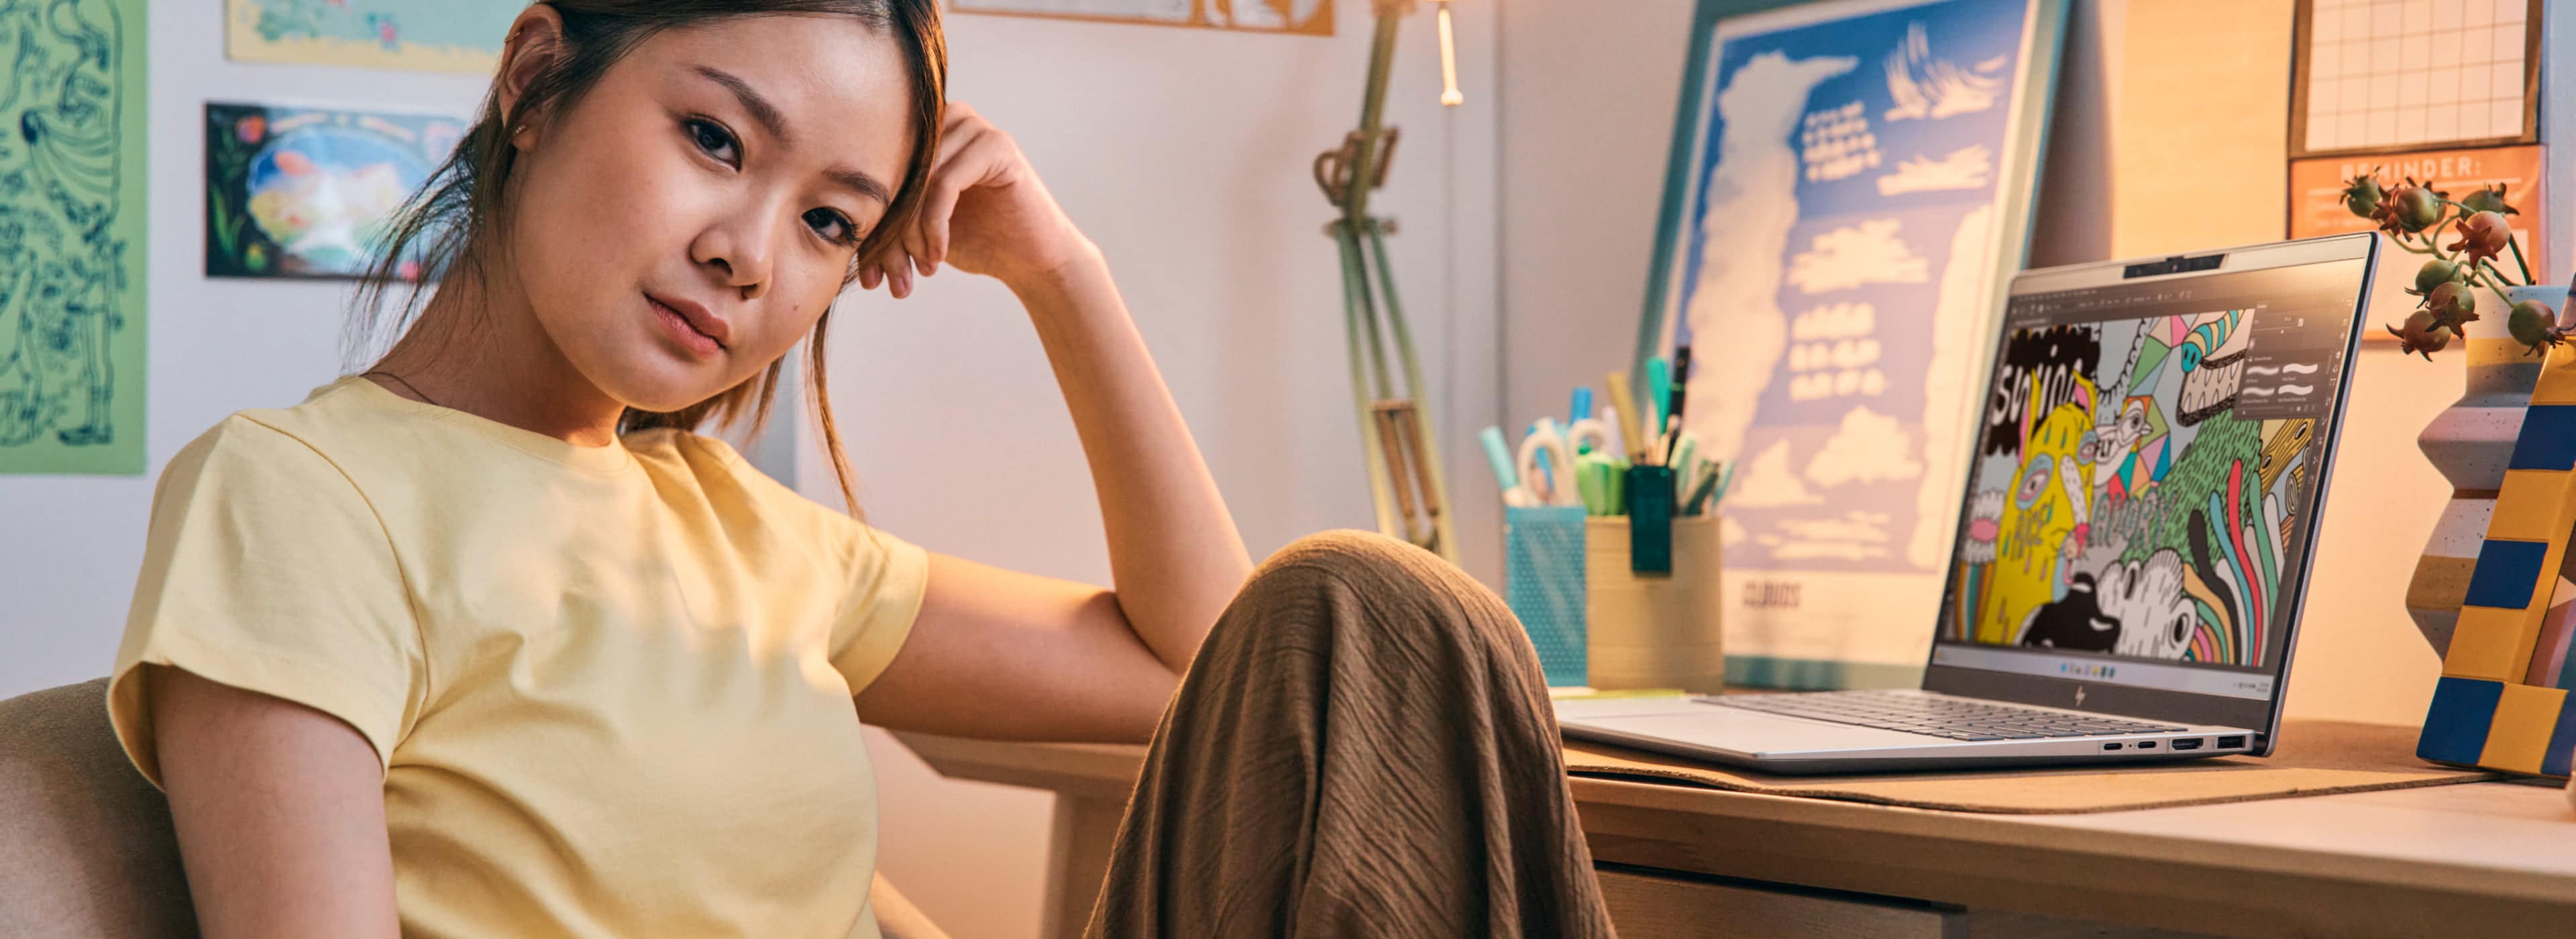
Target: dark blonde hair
<point>451,222</point>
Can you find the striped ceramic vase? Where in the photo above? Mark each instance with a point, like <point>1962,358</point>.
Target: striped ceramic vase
<point>2469,443</point>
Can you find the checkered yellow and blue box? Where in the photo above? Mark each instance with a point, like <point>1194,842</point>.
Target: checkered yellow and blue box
<point>2487,710</point>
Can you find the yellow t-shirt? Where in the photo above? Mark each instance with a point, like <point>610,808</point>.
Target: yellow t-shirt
<point>610,685</point>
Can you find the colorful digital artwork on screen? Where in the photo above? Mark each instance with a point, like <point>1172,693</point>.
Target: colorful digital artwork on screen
<point>2124,504</point>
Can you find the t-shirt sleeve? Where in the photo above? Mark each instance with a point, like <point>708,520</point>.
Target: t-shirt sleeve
<point>265,569</point>
<point>888,577</point>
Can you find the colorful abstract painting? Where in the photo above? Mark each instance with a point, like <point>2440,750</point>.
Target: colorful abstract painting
<point>1850,188</point>
<point>304,192</point>
<point>72,237</point>
<point>440,36</point>
<point>2138,485</point>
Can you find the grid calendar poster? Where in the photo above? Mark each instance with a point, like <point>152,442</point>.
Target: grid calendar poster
<point>1856,192</point>
<point>2373,76</point>
<point>71,237</point>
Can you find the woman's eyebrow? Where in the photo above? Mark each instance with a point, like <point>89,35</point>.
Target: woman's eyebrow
<point>861,183</point>
<point>760,108</point>
<point>772,120</point>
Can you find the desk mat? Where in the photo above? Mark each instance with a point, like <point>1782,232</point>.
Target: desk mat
<point>2312,758</point>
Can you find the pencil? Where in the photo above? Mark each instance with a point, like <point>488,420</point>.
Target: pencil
<point>1700,493</point>
<point>1630,434</point>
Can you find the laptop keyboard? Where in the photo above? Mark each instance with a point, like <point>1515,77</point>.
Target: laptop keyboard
<point>1936,715</point>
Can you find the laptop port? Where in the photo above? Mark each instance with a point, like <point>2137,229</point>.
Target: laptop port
<point>2146,744</point>
<point>2111,746</point>
<point>2187,743</point>
<point>2231,743</point>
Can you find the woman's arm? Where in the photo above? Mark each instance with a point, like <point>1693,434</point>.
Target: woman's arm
<point>995,653</point>
<point>1175,558</point>
<point>280,811</point>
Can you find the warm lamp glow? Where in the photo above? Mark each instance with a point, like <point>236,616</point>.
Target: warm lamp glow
<point>1449,96</point>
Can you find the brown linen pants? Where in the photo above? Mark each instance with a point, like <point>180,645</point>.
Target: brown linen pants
<point>1363,747</point>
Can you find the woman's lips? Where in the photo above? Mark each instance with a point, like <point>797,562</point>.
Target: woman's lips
<point>678,326</point>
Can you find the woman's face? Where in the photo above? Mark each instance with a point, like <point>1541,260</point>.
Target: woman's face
<point>692,215</point>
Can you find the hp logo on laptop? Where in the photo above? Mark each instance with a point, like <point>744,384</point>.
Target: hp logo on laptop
<point>2079,696</point>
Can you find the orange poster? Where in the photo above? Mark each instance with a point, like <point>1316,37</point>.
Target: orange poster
<point>2316,195</point>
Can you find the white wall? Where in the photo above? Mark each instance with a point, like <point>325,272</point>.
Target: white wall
<point>1585,127</point>
<point>1183,153</point>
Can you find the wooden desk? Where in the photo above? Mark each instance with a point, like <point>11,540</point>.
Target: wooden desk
<point>2475,860</point>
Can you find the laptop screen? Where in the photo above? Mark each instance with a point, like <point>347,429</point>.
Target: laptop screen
<point>2143,480</point>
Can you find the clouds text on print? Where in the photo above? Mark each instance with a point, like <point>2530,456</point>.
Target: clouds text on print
<point>1929,88</point>
<point>1867,253</point>
<point>1836,143</point>
<point>1965,168</point>
<point>1868,447</point>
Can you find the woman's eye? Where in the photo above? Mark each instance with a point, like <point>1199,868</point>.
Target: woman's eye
<point>833,226</point>
<point>711,138</point>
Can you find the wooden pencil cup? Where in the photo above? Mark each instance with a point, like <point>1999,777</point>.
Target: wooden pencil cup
<point>1653,630</point>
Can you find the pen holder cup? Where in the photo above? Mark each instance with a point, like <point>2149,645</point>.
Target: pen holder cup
<point>1654,630</point>
<point>1543,581</point>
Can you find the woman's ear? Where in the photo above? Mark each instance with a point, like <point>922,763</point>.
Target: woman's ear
<point>536,43</point>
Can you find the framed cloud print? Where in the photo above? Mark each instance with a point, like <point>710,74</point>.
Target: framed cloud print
<point>1848,192</point>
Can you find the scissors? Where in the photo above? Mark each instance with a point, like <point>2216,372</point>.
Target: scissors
<point>1550,482</point>
<point>1591,430</point>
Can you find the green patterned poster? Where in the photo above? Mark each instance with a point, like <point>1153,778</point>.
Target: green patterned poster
<point>71,237</point>
<point>432,35</point>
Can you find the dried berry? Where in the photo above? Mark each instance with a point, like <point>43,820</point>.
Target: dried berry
<point>2482,236</point>
<point>2452,304</point>
<point>2361,195</point>
<point>2535,325</point>
<point>2415,208</point>
<point>2487,200</point>
<point>2421,335</point>
<point>2435,339</point>
<point>2437,272</point>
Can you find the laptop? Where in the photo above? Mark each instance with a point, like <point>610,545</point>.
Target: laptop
<point>2134,540</point>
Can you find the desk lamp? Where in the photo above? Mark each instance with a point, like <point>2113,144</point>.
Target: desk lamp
<point>1406,482</point>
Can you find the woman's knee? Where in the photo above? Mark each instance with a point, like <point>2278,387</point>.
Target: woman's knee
<point>1345,549</point>
<point>1399,584</point>
<point>1374,564</point>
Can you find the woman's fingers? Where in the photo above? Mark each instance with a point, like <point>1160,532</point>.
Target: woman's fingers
<point>967,158</point>
<point>888,269</point>
<point>915,238</point>
<point>898,269</point>
<point>936,206</point>
<point>912,245</point>
<point>979,160</point>
<point>927,239</point>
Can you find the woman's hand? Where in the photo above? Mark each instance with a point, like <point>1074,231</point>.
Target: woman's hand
<point>985,213</point>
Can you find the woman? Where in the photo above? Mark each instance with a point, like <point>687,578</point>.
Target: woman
<point>484,641</point>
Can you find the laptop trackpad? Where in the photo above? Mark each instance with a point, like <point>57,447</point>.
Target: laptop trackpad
<point>1750,732</point>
